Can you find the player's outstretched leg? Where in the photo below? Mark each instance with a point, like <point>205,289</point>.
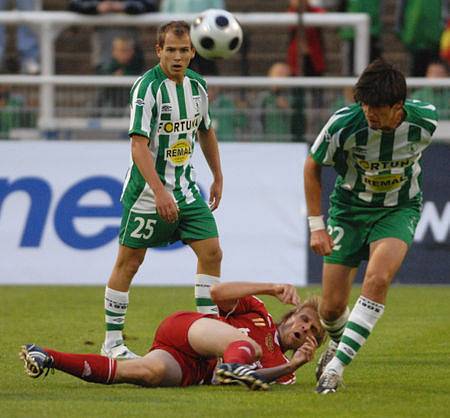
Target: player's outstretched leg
<point>36,360</point>
<point>89,367</point>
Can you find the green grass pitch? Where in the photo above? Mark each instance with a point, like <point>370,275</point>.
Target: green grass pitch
<point>402,371</point>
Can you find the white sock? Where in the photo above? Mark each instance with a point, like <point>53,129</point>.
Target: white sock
<point>116,304</point>
<point>361,321</point>
<point>203,283</point>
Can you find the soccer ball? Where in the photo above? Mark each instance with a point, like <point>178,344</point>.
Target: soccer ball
<point>215,34</point>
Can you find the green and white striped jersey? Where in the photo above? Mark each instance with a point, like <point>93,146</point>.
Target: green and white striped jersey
<point>169,114</point>
<point>376,168</point>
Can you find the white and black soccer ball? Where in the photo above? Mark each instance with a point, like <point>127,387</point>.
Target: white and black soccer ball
<point>215,34</point>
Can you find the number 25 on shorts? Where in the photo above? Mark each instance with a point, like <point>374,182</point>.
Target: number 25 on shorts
<point>144,228</point>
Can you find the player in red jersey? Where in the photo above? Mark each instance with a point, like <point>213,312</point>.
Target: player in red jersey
<point>187,345</point>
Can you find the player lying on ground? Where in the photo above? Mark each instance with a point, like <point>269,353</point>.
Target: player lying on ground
<point>187,344</point>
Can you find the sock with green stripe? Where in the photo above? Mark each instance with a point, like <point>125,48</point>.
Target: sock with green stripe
<point>203,283</point>
<point>336,327</point>
<point>361,321</point>
<point>116,304</point>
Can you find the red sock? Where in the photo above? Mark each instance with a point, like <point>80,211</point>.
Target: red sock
<point>241,352</point>
<point>89,367</point>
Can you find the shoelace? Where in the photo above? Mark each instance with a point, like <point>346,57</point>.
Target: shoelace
<point>52,369</point>
<point>330,380</point>
<point>329,354</point>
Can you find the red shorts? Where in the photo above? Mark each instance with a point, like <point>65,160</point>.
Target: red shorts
<point>172,336</point>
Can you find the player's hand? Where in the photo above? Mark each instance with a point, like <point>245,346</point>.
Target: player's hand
<point>215,194</point>
<point>321,242</point>
<point>166,206</point>
<point>305,353</point>
<point>287,294</point>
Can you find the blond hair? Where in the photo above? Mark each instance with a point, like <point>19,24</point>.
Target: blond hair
<point>313,303</point>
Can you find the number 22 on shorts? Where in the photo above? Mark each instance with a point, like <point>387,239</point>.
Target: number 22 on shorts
<point>144,229</point>
<point>339,234</point>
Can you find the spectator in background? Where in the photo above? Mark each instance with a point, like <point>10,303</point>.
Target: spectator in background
<point>227,119</point>
<point>276,107</point>
<point>310,44</point>
<point>445,43</point>
<point>419,24</point>
<point>343,99</point>
<point>13,112</point>
<point>305,57</point>
<point>373,8</point>
<point>126,59</point>
<point>198,64</point>
<point>438,96</point>
<point>104,36</point>
<point>26,41</point>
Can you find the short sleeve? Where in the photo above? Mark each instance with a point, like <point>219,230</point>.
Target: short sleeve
<point>142,108</point>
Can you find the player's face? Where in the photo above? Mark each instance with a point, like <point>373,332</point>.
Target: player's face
<point>175,55</point>
<point>385,118</point>
<point>294,331</point>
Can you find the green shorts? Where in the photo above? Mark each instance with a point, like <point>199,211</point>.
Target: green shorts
<point>143,230</point>
<point>354,228</point>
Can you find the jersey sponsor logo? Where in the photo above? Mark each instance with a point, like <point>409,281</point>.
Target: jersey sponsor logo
<point>179,153</point>
<point>139,102</point>
<point>384,165</point>
<point>182,126</point>
<point>269,342</point>
<point>166,108</point>
<point>384,183</point>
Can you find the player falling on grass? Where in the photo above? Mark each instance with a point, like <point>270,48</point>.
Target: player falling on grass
<point>375,146</point>
<point>162,203</point>
<point>187,344</point>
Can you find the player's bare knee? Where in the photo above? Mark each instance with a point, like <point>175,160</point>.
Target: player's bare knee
<point>152,375</point>
<point>129,266</point>
<point>213,256</point>
<point>377,281</point>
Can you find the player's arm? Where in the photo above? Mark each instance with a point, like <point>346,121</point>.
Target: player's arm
<point>302,356</point>
<point>226,295</point>
<point>210,148</point>
<point>320,242</point>
<point>165,204</point>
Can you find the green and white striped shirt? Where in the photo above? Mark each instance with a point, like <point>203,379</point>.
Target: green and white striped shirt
<point>169,114</point>
<point>376,168</point>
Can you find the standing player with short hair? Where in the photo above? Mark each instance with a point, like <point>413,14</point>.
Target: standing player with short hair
<point>375,146</point>
<point>162,203</point>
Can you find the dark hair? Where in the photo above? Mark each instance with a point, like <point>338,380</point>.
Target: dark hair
<point>313,303</point>
<point>177,27</point>
<point>380,84</point>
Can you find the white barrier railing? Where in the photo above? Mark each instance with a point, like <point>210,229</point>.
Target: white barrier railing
<point>50,24</point>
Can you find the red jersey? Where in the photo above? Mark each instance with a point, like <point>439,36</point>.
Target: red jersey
<point>252,318</point>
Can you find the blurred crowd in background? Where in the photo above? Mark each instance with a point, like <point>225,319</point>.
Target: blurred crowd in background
<point>413,34</point>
